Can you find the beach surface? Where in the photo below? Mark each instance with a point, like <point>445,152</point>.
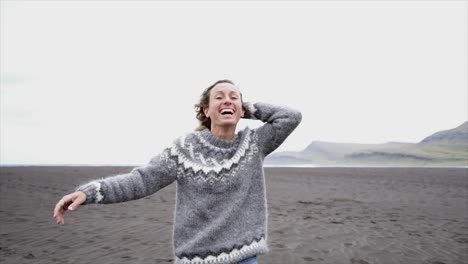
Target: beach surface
<point>316,215</point>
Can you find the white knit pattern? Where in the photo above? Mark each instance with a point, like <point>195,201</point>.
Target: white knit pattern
<point>208,145</point>
<point>99,196</point>
<point>233,256</point>
<point>188,162</point>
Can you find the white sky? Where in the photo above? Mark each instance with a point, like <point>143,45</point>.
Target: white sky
<point>114,82</point>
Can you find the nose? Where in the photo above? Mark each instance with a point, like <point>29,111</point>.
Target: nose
<point>227,101</point>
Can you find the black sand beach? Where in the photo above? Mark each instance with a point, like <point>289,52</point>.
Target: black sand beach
<point>316,215</point>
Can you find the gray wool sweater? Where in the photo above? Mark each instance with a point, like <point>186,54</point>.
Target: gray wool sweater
<point>221,208</point>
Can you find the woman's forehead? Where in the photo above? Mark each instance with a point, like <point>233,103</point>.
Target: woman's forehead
<point>225,88</point>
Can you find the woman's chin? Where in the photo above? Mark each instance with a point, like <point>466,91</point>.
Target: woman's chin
<point>228,123</point>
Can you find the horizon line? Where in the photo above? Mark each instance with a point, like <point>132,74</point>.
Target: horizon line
<point>265,166</point>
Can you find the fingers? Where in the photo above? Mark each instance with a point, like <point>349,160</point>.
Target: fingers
<point>58,211</point>
<point>59,219</point>
<point>77,199</point>
<point>68,202</point>
<point>61,207</point>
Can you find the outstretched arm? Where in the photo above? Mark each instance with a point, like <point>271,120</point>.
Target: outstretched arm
<point>279,121</point>
<point>140,182</point>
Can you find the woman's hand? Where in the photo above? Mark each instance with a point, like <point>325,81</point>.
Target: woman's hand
<point>69,202</point>
<point>249,109</point>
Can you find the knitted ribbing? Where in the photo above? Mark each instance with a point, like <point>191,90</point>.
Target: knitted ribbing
<point>221,208</point>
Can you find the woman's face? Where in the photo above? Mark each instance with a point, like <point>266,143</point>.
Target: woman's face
<point>225,107</point>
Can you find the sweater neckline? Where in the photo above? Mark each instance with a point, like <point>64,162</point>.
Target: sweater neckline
<point>219,142</point>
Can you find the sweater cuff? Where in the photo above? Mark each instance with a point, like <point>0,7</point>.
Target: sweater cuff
<point>92,191</point>
<point>249,111</point>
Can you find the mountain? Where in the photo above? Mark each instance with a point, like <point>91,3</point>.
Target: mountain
<point>455,136</point>
<point>444,148</point>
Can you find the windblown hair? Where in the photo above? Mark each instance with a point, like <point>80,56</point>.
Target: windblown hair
<point>205,122</point>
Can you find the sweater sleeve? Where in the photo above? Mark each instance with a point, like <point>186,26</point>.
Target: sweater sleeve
<point>140,182</point>
<point>279,124</point>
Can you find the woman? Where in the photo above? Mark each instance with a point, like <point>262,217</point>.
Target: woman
<point>221,210</point>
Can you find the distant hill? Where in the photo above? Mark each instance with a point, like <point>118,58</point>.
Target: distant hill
<point>455,136</point>
<point>443,148</point>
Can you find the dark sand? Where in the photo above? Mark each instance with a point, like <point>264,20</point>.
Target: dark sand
<point>316,215</point>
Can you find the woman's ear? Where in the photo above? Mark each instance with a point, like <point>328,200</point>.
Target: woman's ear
<point>205,110</point>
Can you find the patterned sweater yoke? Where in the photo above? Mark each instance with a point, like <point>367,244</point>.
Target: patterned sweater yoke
<point>221,207</point>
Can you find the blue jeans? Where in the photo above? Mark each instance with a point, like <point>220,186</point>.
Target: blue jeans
<point>249,260</point>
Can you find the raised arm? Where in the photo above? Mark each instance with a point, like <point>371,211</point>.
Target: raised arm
<point>140,182</point>
<point>279,121</point>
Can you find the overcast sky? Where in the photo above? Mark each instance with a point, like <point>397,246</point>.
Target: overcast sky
<point>114,82</point>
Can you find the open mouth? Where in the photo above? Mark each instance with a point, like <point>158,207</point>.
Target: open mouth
<point>227,111</point>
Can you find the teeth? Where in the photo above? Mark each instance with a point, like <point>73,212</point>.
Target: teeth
<point>230,111</point>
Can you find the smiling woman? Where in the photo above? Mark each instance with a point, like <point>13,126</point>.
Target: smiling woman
<point>202,106</point>
<point>221,207</point>
<point>220,109</point>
